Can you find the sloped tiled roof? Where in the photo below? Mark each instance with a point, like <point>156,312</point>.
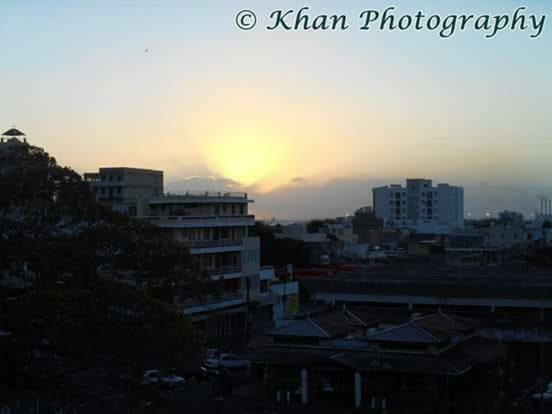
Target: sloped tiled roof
<point>444,322</point>
<point>13,133</point>
<point>431,329</point>
<point>408,333</point>
<point>328,324</point>
<point>290,356</point>
<point>302,328</point>
<point>453,361</point>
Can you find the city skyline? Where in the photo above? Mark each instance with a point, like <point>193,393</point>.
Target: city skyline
<point>307,123</point>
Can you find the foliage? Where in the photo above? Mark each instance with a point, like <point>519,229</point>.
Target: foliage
<point>93,271</point>
<point>280,252</point>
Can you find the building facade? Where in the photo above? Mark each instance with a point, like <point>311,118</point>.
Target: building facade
<point>420,206</point>
<point>126,190</point>
<point>214,226</point>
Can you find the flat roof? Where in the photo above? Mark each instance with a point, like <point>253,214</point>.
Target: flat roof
<point>131,169</point>
<point>201,197</point>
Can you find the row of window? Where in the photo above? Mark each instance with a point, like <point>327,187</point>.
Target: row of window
<point>216,233</point>
<point>108,190</point>
<point>423,210</point>
<point>422,202</point>
<point>429,194</point>
<point>111,178</point>
<point>217,209</point>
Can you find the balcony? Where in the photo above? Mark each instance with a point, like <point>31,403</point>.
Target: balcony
<point>213,246</point>
<point>200,221</point>
<point>200,244</point>
<point>201,197</point>
<point>226,272</point>
<point>285,288</point>
<point>266,273</point>
<point>224,302</point>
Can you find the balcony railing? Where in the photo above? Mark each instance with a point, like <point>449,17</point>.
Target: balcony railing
<point>223,270</point>
<point>200,196</point>
<point>198,244</point>
<point>208,221</point>
<point>206,194</point>
<point>211,304</point>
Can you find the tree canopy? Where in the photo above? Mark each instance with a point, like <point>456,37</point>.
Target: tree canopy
<point>88,275</point>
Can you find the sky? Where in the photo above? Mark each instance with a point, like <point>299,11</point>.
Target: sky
<point>306,122</point>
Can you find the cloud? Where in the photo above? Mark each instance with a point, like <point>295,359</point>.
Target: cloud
<point>299,180</point>
<point>302,199</point>
<point>203,183</point>
<point>340,196</point>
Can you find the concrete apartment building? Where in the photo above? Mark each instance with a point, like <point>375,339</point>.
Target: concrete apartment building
<point>215,227</point>
<point>126,190</point>
<point>420,206</point>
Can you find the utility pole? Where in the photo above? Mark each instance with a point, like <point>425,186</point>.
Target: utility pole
<point>247,299</point>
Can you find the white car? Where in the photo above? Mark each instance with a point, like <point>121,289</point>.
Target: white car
<point>228,361</point>
<point>154,376</point>
<point>547,396</point>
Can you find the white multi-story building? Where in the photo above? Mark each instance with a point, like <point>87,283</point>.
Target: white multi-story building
<point>420,206</point>
<point>215,228</point>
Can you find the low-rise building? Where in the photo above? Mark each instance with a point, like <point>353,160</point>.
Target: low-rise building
<point>381,362</point>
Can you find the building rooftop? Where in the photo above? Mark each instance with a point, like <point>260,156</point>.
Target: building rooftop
<point>326,324</point>
<point>454,361</point>
<point>474,288</point>
<point>13,132</point>
<point>201,196</point>
<point>130,169</point>
<point>410,333</point>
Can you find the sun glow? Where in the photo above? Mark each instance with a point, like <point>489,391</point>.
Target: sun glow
<point>248,155</point>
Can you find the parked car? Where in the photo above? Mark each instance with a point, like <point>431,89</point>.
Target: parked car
<point>547,396</point>
<point>154,376</point>
<point>212,353</point>
<point>227,360</point>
